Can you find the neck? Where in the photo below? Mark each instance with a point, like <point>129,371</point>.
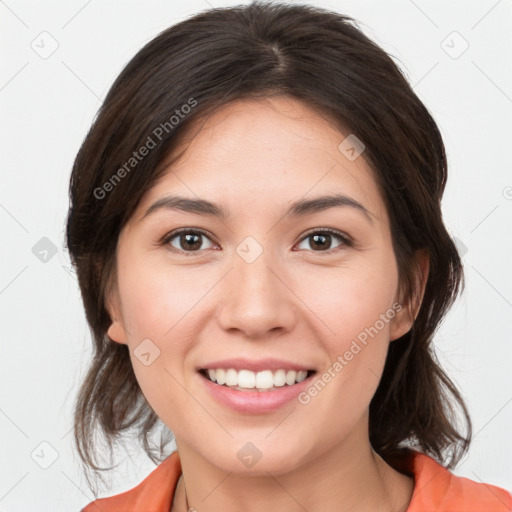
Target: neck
<point>345,479</point>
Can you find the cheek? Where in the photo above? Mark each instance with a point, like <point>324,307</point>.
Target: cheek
<point>155,300</point>
<point>164,308</point>
<point>351,299</point>
<point>355,311</point>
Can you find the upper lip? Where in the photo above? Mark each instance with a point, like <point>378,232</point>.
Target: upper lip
<point>240,363</point>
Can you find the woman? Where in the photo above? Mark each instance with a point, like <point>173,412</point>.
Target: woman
<point>256,225</point>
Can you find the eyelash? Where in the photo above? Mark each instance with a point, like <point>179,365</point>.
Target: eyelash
<point>346,241</point>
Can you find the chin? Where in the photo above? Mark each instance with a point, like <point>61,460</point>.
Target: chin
<point>251,460</point>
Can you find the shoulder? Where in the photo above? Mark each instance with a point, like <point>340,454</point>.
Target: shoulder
<point>436,488</point>
<point>153,494</point>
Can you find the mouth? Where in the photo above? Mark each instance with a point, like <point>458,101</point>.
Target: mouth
<point>262,381</point>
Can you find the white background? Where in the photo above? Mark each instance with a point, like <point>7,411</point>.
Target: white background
<point>47,107</point>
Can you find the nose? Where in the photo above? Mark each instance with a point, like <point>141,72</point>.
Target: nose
<point>257,300</point>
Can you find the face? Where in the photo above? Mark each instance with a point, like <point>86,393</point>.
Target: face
<point>267,285</point>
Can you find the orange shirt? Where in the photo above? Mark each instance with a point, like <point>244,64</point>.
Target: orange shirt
<point>435,490</point>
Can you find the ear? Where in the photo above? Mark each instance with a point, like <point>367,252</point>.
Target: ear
<point>116,331</point>
<point>405,317</point>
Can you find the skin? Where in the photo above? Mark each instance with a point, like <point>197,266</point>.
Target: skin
<point>295,301</point>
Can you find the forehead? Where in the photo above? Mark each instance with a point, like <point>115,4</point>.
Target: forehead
<point>252,153</point>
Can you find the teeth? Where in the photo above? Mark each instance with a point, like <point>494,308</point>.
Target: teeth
<point>264,380</point>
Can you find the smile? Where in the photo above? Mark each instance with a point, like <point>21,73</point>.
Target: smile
<point>250,392</point>
<point>266,380</point>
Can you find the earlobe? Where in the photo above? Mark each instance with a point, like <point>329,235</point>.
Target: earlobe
<point>401,323</point>
<point>117,333</point>
<point>405,318</point>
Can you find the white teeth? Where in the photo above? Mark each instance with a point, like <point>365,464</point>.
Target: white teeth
<point>231,377</point>
<point>246,379</point>
<point>263,380</point>
<point>301,375</point>
<point>280,378</point>
<point>290,377</point>
<point>221,376</point>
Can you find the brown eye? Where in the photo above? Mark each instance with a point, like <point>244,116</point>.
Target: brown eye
<point>322,240</point>
<point>186,241</point>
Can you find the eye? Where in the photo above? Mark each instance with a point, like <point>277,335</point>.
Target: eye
<point>322,240</point>
<point>191,240</point>
<point>186,240</point>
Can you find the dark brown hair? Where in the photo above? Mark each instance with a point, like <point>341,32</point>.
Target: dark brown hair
<point>254,51</point>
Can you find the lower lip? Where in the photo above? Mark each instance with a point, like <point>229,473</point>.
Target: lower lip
<point>255,402</point>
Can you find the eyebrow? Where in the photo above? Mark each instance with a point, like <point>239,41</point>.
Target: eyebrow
<point>298,208</point>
